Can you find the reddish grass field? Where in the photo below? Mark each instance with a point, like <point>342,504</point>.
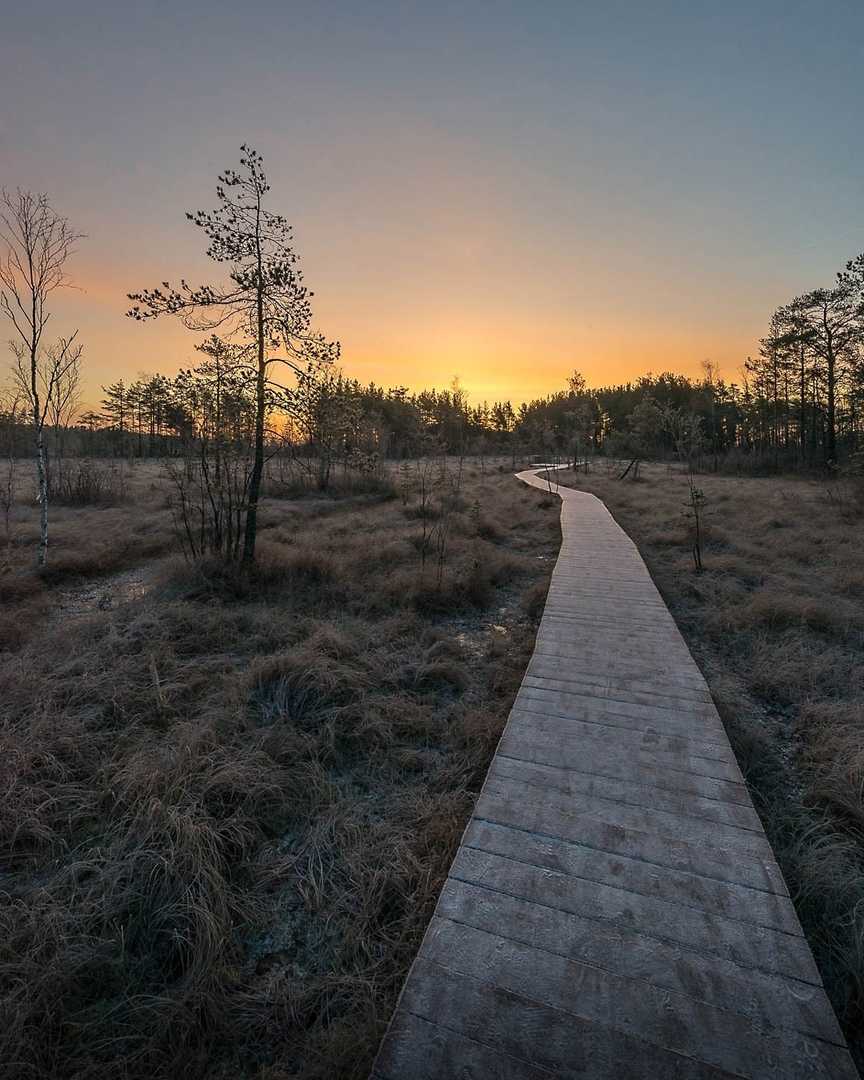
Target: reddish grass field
<point>227,801</point>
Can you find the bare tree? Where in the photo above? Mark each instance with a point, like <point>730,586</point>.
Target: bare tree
<point>264,303</point>
<point>50,389</point>
<point>38,243</point>
<point>684,427</point>
<point>63,401</point>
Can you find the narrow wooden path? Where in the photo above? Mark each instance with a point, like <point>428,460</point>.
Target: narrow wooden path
<point>614,910</point>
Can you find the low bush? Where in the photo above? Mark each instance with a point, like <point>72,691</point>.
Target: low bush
<point>88,483</point>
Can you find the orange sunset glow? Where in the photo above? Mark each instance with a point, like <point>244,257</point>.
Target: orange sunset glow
<point>493,201</point>
<point>462,312</point>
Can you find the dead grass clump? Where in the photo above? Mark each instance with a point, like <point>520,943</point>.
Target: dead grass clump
<point>671,534</point>
<point>311,566</point>
<point>443,648</point>
<point>832,734</point>
<point>97,560</point>
<point>277,569</point>
<point>341,483</point>
<point>471,587</point>
<point>489,528</point>
<point>442,675</point>
<point>455,593</point>
<point>19,585</point>
<point>738,570</point>
<point>13,631</point>
<point>780,611</point>
<point>422,511</point>
<point>302,687</point>
<point>533,599</point>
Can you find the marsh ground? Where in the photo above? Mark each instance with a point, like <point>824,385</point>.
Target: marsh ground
<point>227,802</point>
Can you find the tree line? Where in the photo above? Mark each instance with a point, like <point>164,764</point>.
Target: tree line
<point>765,421</point>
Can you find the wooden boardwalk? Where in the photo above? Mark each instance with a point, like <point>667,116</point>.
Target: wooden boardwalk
<point>614,910</point>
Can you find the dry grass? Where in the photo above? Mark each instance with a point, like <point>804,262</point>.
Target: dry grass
<point>777,625</point>
<point>226,808</point>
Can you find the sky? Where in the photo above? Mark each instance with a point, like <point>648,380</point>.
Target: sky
<point>501,192</point>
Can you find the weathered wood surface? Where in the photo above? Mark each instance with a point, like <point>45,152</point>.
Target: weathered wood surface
<point>614,910</point>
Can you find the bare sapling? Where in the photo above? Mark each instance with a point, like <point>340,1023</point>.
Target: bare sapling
<point>424,486</point>
<point>37,244</point>
<point>405,484</point>
<point>696,501</point>
<point>214,407</point>
<point>685,429</point>
<point>550,475</point>
<point>449,486</point>
<point>64,402</point>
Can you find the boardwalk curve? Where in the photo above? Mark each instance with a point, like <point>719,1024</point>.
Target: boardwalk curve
<point>614,910</point>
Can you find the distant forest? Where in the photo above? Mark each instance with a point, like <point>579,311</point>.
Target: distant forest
<point>798,404</point>
<point>788,410</point>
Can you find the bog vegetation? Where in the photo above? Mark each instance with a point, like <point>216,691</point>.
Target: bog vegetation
<point>251,678</point>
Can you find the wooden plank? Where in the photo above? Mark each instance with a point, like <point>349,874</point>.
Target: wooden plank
<point>622,623</point>
<point>770,1000</point>
<point>570,730</point>
<point>533,705</point>
<point>722,898</point>
<point>626,664</point>
<point>627,621</point>
<point>673,1022</point>
<point>599,652</point>
<point>661,823</point>
<point>573,702</point>
<point>419,1049</point>
<point>745,944</point>
<point>629,792</point>
<point>653,701</point>
<point>569,671</point>
<point>629,689</point>
<point>624,758</point>
<point>568,1046</point>
<point>705,859</point>
<point>612,597</point>
<point>618,645</point>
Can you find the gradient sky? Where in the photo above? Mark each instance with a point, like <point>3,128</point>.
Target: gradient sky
<point>496,190</point>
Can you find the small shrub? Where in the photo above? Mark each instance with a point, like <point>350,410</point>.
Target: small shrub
<point>488,528</point>
<point>533,599</point>
<point>86,483</point>
<point>441,673</point>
